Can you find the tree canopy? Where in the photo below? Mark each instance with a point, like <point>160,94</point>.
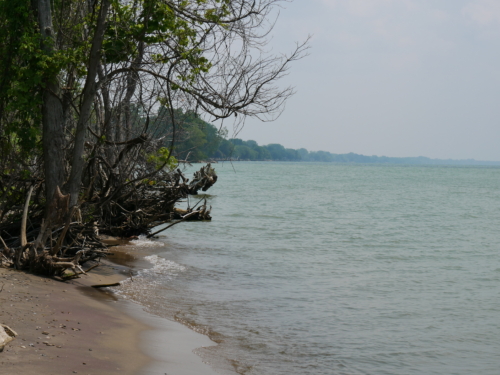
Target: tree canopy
<point>97,95</point>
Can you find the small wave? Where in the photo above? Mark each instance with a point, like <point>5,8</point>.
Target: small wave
<point>143,286</point>
<point>162,265</point>
<point>143,241</point>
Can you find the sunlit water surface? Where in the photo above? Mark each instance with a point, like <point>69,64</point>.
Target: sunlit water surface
<point>312,268</point>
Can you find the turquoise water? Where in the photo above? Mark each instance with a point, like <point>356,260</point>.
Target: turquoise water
<point>312,268</point>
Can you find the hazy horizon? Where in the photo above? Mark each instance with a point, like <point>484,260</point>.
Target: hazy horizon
<point>396,78</point>
<point>382,155</point>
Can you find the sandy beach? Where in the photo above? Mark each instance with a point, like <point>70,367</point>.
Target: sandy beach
<point>70,327</point>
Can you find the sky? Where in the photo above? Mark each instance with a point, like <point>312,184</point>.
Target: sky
<point>390,77</point>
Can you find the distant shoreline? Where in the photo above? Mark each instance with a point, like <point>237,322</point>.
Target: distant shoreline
<point>211,143</point>
<point>420,161</point>
<point>236,149</point>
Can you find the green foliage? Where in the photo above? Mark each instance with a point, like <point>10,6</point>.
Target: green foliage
<point>156,24</point>
<point>121,34</point>
<point>21,74</point>
<point>161,158</point>
<point>195,139</point>
<point>249,150</point>
<point>25,69</point>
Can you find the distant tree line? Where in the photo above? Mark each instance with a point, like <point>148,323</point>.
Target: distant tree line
<point>198,140</point>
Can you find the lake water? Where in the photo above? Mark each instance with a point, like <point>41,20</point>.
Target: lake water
<point>312,268</point>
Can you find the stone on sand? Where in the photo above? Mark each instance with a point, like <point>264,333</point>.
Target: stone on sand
<point>6,335</point>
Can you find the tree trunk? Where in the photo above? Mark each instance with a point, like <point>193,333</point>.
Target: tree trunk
<point>132,78</point>
<point>52,111</point>
<point>77,166</point>
<point>109,127</point>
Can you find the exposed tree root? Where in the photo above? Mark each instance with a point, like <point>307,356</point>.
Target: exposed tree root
<point>59,245</point>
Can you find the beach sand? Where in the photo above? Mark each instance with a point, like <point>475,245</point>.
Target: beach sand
<point>68,328</point>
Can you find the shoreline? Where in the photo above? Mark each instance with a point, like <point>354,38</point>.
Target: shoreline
<point>169,344</point>
<point>69,327</point>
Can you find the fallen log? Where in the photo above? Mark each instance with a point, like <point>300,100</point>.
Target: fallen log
<point>53,244</point>
<point>186,217</point>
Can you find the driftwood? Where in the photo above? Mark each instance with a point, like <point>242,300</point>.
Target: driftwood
<point>59,242</point>
<point>25,217</point>
<point>201,214</point>
<point>186,217</point>
<point>155,204</point>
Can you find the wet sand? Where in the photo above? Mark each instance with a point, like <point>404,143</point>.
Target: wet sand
<point>68,328</point>
<point>169,344</point>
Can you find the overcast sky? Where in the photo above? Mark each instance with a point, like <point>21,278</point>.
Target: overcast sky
<point>391,77</point>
